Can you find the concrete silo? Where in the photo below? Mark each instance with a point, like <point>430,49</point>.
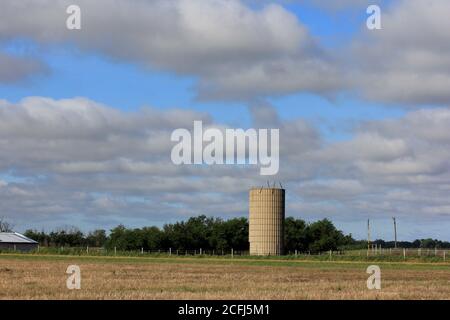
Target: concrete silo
<point>266,221</point>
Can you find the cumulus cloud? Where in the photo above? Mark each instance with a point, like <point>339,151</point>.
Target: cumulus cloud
<point>80,161</point>
<point>76,159</point>
<point>48,131</point>
<point>339,5</point>
<point>14,69</point>
<point>239,51</point>
<point>234,51</point>
<point>407,62</point>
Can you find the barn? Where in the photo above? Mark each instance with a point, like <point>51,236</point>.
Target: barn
<point>17,242</point>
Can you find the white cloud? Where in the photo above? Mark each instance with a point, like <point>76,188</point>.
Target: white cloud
<point>14,69</point>
<point>234,51</point>
<point>78,159</point>
<point>87,160</point>
<point>407,62</point>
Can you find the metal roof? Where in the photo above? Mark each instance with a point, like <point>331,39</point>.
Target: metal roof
<point>14,237</point>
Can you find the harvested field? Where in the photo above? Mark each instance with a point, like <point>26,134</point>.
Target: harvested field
<point>44,277</point>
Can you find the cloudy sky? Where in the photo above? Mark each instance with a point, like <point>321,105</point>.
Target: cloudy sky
<point>86,115</point>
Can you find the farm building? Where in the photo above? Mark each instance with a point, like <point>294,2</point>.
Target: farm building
<point>16,241</point>
<point>266,221</point>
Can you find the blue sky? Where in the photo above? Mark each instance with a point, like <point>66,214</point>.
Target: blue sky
<point>345,110</point>
<point>74,73</point>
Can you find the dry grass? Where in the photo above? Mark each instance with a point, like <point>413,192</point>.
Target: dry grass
<point>115,279</point>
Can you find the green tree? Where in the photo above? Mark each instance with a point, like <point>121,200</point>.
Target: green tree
<point>324,236</point>
<point>118,238</point>
<point>96,238</point>
<point>296,235</point>
<point>230,234</point>
<point>41,237</point>
<point>152,238</point>
<point>67,237</point>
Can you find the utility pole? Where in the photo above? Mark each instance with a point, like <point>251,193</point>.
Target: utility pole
<point>395,232</point>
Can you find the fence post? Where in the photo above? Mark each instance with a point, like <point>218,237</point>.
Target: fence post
<point>201,251</point>
<point>330,254</point>
<point>115,250</point>
<point>435,251</point>
<point>418,252</point>
<point>444,254</point>
<point>232,253</point>
<point>296,253</point>
<point>170,251</point>
<point>404,253</point>
<point>87,249</point>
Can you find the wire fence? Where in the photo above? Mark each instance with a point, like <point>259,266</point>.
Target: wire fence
<point>373,253</point>
<point>141,252</point>
<point>406,252</point>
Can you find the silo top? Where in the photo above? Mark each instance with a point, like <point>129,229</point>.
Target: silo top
<point>265,188</point>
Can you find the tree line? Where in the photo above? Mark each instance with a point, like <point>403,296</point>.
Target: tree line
<point>209,233</point>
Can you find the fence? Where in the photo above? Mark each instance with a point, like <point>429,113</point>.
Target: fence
<point>374,253</point>
<point>408,252</point>
<point>95,251</point>
<point>404,253</point>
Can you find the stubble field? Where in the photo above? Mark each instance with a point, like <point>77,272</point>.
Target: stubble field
<point>44,277</point>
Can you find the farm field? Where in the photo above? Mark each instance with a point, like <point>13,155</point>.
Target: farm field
<point>44,277</point>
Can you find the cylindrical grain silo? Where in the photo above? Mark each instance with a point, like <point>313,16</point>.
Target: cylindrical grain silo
<point>266,221</point>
